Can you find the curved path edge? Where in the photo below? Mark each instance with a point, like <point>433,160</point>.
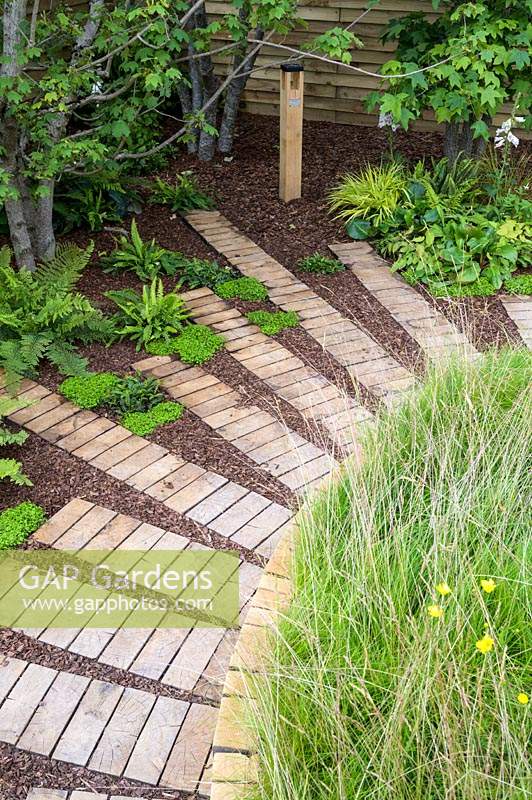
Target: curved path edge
<point>235,762</point>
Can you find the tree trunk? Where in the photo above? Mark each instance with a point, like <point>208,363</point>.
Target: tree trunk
<point>20,223</point>
<point>209,84</point>
<point>459,142</point>
<point>44,223</point>
<point>233,95</point>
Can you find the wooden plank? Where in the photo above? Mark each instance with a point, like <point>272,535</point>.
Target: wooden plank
<point>186,761</point>
<point>86,726</point>
<point>48,722</point>
<point>149,756</point>
<point>21,702</point>
<point>10,671</point>
<point>121,732</point>
<point>193,656</point>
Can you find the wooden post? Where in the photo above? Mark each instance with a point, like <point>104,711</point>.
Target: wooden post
<point>291,133</point>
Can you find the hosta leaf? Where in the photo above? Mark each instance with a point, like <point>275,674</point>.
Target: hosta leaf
<point>358,229</point>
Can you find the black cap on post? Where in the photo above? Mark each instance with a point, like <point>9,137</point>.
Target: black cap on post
<point>292,66</point>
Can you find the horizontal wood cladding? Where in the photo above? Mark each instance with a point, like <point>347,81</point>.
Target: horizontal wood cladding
<point>331,93</point>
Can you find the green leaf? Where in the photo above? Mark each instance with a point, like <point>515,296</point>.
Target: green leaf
<point>508,252</point>
<point>358,229</point>
<point>480,129</point>
<point>489,97</point>
<point>120,129</point>
<point>469,274</point>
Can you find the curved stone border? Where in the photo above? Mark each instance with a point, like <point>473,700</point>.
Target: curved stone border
<point>235,763</point>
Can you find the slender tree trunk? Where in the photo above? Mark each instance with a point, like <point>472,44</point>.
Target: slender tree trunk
<point>19,221</point>
<point>209,83</point>
<point>44,223</point>
<point>233,95</point>
<point>459,142</point>
<point>185,98</point>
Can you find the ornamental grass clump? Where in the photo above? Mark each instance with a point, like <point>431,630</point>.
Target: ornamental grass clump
<point>401,670</point>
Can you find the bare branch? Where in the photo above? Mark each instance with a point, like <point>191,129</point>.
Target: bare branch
<point>307,54</point>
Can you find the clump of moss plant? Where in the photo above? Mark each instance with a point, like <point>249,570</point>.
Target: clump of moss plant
<point>482,287</point>
<point>142,423</point>
<point>242,288</point>
<point>519,284</point>
<point>320,264</point>
<point>197,344</point>
<point>273,322</point>
<point>91,390</point>
<point>17,523</point>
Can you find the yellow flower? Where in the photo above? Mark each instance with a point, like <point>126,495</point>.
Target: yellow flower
<point>443,588</point>
<point>485,644</point>
<point>435,611</point>
<point>488,585</point>
<point>522,698</point>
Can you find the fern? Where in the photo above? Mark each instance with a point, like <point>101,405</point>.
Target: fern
<point>41,314</point>
<point>63,271</point>
<point>12,470</point>
<point>9,467</point>
<point>65,358</point>
<point>8,405</point>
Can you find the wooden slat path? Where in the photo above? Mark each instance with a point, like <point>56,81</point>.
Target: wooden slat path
<point>224,506</point>
<point>433,332</point>
<point>519,309</point>
<point>364,359</point>
<point>300,465</point>
<point>65,794</point>
<point>192,659</point>
<point>298,384</point>
<point>106,727</point>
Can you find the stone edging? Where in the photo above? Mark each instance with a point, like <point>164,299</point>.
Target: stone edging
<point>235,763</point>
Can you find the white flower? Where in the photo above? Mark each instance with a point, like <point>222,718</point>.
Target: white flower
<point>386,121</point>
<point>504,135</point>
<point>97,88</point>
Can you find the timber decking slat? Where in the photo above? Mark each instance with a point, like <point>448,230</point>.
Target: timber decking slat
<point>403,302</point>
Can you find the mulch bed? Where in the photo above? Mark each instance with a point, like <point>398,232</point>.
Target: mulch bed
<point>290,231</point>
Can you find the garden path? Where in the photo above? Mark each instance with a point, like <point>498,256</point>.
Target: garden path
<point>519,309</point>
<point>144,714</point>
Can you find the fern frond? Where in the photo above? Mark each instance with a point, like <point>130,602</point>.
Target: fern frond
<point>10,437</point>
<point>5,256</point>
<point>63,271</point>
<point>11,469</point>
<point>33,347</point>
<point>12,361</point>
<point>8,405</point>
<point>65,358</point>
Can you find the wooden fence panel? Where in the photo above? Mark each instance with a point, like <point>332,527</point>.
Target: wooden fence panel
<point>331,93</point>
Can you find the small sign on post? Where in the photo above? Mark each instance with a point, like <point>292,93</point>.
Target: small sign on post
<point>291,143</point>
